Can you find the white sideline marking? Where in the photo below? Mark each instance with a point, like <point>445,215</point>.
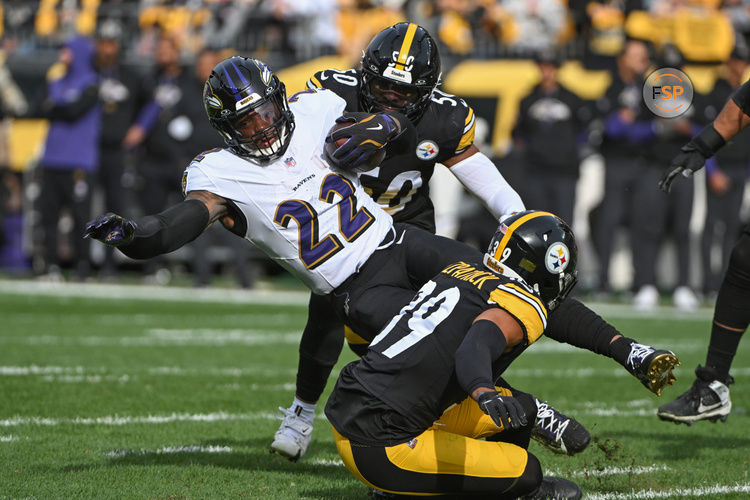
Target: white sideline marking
<point>610,471</point>
<point>167,337</point>
<point>328,462</point>
<point>150,293</point>
<point>73,371</point>
<point>8,439</point>
<point>116,420</point>
<point>272,297</point>
<point>170,451</point>
<point>717,489</point>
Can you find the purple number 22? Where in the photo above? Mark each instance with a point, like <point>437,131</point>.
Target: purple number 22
<point>313,250</point>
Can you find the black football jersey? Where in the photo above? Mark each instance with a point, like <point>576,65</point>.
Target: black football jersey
<point>407,378</point>
<point>401,183</point>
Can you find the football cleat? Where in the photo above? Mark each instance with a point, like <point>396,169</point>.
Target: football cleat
<point>293,437</point>
<point>559,432</point>
<point>707,399</point>
<point>555,488</point>
<point>653,367</point>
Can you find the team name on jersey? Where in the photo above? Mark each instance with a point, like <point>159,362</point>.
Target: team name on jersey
<point>467,272</point>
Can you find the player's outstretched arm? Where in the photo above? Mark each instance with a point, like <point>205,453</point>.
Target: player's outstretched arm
<point>482,178</point>
<point>153,235</point>
<point>693,155</point>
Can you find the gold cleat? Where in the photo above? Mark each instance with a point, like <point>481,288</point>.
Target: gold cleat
<point>659,372</point>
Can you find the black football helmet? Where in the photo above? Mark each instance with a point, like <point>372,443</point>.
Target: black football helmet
<point>246,102</point>
<point>539,248</point>
<point>400,69</point>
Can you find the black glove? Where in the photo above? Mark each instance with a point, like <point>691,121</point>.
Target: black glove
<point>111,229</point>
<point>693,156</point>
<point>367,136</point>
<point>505,411</point>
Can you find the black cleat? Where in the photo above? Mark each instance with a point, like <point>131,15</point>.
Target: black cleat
<point>707,399</point>
<point>555,488</point>
<point>559,432</point>
<point>653,367</point>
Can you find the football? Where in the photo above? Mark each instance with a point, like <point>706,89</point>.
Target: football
<point>332,146</point>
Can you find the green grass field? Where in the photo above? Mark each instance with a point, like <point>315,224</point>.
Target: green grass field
<point>129,392</point>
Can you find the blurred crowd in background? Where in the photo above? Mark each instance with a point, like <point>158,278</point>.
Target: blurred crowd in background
<point>556,86</point>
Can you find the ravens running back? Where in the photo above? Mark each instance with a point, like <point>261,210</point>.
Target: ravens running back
<point>408,415</point>
<point>401,72</point>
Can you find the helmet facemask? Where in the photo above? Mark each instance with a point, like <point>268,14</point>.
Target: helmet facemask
<point>261,133</point>
<point>382,94</point>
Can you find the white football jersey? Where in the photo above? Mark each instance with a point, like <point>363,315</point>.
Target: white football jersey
<point>317,223</point>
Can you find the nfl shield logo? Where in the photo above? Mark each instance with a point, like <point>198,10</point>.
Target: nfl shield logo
<point>411,444</point>
<point>290,162</point>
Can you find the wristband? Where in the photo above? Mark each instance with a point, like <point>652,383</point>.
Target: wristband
<point>708,141</point>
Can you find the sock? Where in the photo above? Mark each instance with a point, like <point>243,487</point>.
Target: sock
<point>304,410</point>
<point>721,350</point>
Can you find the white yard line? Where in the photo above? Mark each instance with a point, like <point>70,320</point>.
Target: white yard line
<point>170,450</point>
<point>609,471</point>
<point>8,439</point>
<point>717,489</point>
<point>150,293</point>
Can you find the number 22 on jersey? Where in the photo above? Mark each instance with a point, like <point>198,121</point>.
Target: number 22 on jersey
<point>313,250</point>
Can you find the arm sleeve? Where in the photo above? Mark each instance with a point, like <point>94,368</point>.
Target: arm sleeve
<point>483,344</point>
<point>167,231</point>
<point>480,176</point>
<point>71,111</point>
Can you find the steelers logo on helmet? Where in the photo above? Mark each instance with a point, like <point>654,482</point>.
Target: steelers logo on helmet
<point>557,258</point>
<point>427,150</point>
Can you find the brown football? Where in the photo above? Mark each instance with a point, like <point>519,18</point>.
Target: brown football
<point>333,146</point>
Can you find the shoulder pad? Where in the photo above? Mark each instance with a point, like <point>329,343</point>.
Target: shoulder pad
<point>525,305</point>
<point>457,116</point>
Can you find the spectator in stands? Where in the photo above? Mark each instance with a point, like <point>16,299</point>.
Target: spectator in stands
<point>538,24</point>
<point>12,104</point>
<point>655,215</point>
<point>165,132</point>
<point>71,152</point>
<point>123,93</point>
<point>726,173</point>
<point>624,114</point>
<point>551,120</point>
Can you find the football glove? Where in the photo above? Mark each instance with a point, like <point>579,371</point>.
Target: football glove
<point>693,156</point>
<point>111,229</point>
<point>367,137</point>
<point>505,411</point>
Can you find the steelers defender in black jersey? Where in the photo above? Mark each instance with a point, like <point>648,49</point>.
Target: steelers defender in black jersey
<point>400,72</point>
<point>407,417</point>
